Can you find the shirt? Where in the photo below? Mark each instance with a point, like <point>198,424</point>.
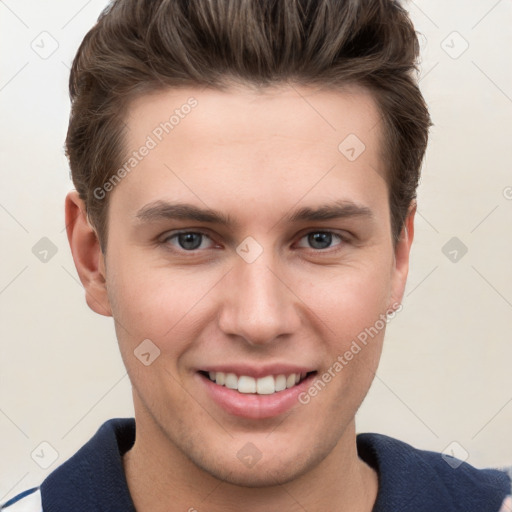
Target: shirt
<point>410,480</point>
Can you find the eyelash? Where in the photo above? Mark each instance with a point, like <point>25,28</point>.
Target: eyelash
<point>343,240</point>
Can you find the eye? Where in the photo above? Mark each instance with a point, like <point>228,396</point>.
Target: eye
<point>187,240</point>
<point>321,240</point>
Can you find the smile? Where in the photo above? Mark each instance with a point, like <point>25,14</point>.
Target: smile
<point>266,385</point>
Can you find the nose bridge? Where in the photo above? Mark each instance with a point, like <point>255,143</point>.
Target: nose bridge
<point>258,305</point>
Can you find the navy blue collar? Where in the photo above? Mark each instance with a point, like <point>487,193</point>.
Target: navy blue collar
<point>93,478</point>
<point>409,479</point>
<point>422,481</point>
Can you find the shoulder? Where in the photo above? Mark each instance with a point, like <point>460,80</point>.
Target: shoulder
<point>431,480</point>
<point>89,479</point>
<point>27,501</point>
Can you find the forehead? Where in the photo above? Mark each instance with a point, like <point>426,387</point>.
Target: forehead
<point>240,114</point>
<point>254,143</point>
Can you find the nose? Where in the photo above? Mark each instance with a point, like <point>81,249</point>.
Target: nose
<point>259,304</point>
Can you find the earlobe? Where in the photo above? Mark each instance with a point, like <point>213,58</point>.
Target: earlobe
<point>87,254</point>
<point>401,260</point>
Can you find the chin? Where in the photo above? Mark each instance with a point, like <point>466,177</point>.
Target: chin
<point>270,471</point>
<point>258,477</point>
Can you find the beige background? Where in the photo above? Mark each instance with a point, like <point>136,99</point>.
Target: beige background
<point>445,374</point>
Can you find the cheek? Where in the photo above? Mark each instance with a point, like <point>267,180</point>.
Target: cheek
<point>171,306</point>
<point>350,299</point>
<point>353,314</point>
<point>158,303</point>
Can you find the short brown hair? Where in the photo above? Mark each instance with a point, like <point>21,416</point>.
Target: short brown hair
<point>142,46</point>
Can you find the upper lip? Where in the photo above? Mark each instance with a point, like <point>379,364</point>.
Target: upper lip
<point>257,371</point>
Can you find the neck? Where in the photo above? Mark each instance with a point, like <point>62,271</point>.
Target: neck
<point>161,478</point>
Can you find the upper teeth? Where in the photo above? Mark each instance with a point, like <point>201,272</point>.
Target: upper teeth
<point>262,386</point>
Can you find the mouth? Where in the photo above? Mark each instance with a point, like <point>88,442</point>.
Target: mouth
<point>266,385</point>
<point>267,393</point>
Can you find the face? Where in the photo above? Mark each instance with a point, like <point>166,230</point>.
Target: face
<point>248,248</point>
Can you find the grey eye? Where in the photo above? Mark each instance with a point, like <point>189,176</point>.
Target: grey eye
<point>320,240</point>
<point>189,241</point>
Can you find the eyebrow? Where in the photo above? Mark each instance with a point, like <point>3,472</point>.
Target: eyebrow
<point>163,210</point>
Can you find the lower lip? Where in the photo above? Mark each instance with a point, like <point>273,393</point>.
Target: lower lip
<point>251,405</point>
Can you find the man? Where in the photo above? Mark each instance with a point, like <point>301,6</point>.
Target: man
<point>245,177</point>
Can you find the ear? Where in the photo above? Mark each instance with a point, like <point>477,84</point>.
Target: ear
<point>402,253</point>
<point>87,255</point>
